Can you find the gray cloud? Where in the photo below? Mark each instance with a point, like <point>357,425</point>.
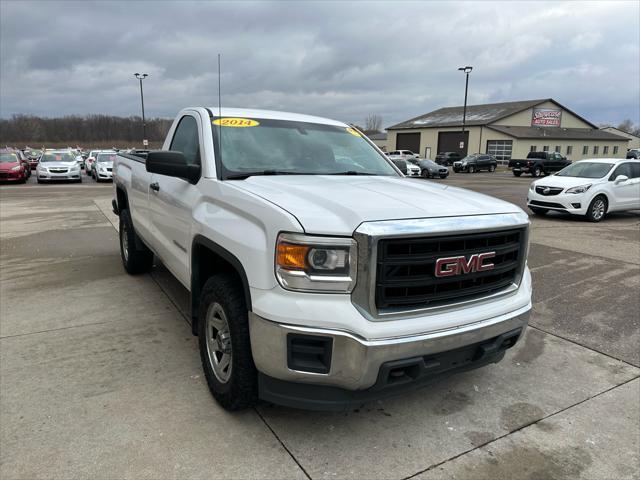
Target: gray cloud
<point>337,59</point>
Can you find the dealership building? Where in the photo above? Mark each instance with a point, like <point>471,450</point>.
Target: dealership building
<point>506,130</point>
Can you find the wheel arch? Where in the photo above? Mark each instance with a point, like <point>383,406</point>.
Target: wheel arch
<point>208,258</point>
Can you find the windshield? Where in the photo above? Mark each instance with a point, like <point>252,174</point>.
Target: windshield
<point>106,157</point>
<point>58,157</point>
<point>470,157</point>
<point>266,146</point>
<point>586,170</point>
<point>8,158</point>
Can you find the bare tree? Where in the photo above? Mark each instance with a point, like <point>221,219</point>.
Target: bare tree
<point>626,126</point>
<point>373,123</point>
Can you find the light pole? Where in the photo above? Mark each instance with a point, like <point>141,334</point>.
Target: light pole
<point>144,123</point>
<point>466,70</point>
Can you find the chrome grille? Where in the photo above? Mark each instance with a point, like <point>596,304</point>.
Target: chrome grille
<point>405,268</point>
<point>542,190</point>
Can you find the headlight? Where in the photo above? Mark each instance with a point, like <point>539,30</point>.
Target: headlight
<point>532,187</point>
<point>580,189</point>
<point>315,264</point>
<point>42,169</point>
<point>16,168</point>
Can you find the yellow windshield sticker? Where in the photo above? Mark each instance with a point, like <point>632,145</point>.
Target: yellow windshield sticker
<point>235,122</point>
<point>353,131</point>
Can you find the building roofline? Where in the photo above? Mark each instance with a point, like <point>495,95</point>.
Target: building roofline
<point>532,104</point>
<point>622,131</point>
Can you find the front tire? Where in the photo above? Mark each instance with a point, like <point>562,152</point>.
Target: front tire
<point>597,209</point>
<point>516,174</point>
<point>225,345</point>
<point>136,256</point>
<point>472,169</point>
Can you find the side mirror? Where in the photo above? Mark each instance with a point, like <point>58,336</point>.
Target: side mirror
<point>620,179</point>
<point>172,164</point>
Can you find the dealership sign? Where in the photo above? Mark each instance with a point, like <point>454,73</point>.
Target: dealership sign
<point>546,117</point>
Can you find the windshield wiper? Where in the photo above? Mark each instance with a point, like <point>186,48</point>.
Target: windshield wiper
<point>242,176</point>
<point>351,172</point>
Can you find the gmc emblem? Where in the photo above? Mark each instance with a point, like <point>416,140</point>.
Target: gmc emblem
<point>451,266</point>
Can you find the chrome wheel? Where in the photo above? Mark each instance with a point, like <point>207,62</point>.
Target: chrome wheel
<point>218,340</point>
<point>598,209</point>
<point>124,235</point>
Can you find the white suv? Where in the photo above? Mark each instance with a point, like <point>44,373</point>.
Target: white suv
<point>591,187</point>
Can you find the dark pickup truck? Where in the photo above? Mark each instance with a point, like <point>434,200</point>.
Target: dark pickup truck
<point>538,163</point>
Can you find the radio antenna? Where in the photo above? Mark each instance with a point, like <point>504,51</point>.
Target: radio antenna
<point>219,113</point>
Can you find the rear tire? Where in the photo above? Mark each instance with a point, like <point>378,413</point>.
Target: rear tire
<point>425,173</point>
<point>223,337</point>
<point>597,209</point>
<point>536,172</point>
<point>539,211</point>
<point>136,256</point>
<point>492,168</point>
<point>516,174</point>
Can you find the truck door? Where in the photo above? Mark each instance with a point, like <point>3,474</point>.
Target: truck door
<point>171,201</point>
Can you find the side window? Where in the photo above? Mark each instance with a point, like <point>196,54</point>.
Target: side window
<point>635,170</point>
<point>624,169</point>
<point>185,140</point>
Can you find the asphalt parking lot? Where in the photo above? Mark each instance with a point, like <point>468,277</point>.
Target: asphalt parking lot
<point>100,376</point>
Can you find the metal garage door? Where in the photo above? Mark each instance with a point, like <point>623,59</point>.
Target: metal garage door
<point>408,141</point>
<point>450,142</point>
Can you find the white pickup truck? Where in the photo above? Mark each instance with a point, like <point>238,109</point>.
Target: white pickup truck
<point>320,277</point>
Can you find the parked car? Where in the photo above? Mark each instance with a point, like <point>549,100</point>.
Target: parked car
<point>475,163</point>
<point>89,160</point>
<point>402,165</point>
<point>421,281</point>
<point>33,156</point>
<point>539,163</point>
<point>24,160</point>
<point>403,155</point>
<point>102,168</point>
<point>413,168</point>
<point>58,165</point>
<point>591,188</point>
<point>430,169</point>
<point>12,169</point>
<point>633,153</point>
<point>448,158</point>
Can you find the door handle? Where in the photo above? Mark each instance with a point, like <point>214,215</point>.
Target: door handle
<point>155,186</point>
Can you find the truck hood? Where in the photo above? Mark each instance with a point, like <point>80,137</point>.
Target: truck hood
<point>337,205</point>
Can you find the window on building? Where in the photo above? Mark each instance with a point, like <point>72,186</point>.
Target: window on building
<point>585,150</point>
<point>558,148</point>
<point>605,149</point>
<point>615,150</point>
<point>533,148</point>
<point>569,149</point>
<point>545,148</point>
<point>501,149</point>
<point>596,149</point>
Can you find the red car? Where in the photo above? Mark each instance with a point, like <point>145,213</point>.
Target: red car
<point>12,168</point>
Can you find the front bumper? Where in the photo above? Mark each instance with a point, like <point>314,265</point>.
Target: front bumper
<point>104,175</point>
<point>574,203</point>
<point>45,176</point>
<point>362,370</point>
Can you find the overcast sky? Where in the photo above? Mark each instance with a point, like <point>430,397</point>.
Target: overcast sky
<point>337,59</point>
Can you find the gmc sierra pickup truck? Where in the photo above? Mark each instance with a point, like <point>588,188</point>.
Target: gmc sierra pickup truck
<point>320,277</point>
<point>539,163</point>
